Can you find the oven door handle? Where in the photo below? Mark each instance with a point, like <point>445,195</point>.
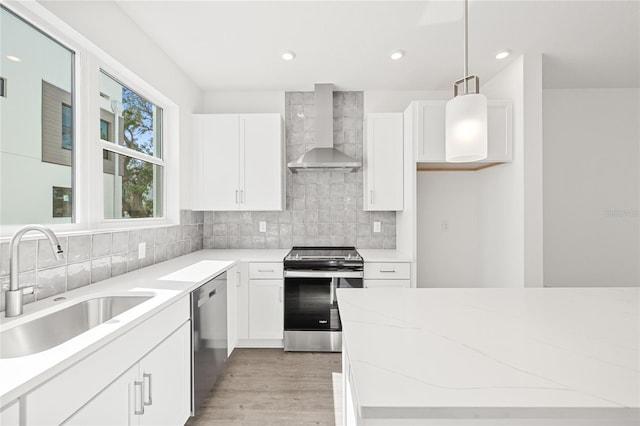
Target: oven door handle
<point>323,274</point>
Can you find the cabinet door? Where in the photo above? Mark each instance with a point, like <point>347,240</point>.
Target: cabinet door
<point>242,296</point>
<point>115,405</point>
<point>262,169</point>
<point>10,414</point>
<point>220,157</point>
<point>232,308</point>
<point>266,310</point>
<point>166,376</point>
<point>384,162</point>
<point>431,131</point>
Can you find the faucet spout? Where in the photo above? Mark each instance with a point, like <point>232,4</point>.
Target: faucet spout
<point>14,294</point>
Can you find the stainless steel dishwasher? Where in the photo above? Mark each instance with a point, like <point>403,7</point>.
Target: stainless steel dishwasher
<point>208,337</point>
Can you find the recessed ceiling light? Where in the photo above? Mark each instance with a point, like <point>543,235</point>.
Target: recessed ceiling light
<point>14,58</point>
<point>503,54</point>
<point>397,54</point>
<point>288,55</point>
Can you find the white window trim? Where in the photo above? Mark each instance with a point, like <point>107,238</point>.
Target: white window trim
<point>87,166</point>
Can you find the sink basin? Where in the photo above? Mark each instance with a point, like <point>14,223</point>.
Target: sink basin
<point>56,328</point>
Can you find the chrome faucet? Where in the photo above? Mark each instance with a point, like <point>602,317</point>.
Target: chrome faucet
<point>13,306</point>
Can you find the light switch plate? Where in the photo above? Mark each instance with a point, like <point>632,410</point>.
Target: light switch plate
<point>142,250</point>
<point>263,226</point>
<point>376,226</point>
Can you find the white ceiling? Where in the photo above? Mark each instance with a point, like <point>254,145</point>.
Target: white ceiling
<point>236,45</point>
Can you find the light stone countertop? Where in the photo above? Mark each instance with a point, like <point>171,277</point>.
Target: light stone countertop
<point>506,354</point>
<point>169,281</point>
<point>383,255</point>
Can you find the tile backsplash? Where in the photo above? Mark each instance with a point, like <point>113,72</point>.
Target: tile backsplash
<point>322,208</point>
<point>93,257</point>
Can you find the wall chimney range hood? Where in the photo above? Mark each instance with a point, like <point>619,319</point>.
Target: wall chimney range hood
<point>324,157</point>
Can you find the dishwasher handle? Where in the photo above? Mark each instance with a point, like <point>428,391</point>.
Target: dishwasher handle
<point>204,299</point>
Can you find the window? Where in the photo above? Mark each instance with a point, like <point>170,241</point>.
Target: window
<point>132,160</point>
<point>36,147</point>
<point>104,130</point>
<point>67,127</point>
<point>62,201</point>
<point>50,172</point>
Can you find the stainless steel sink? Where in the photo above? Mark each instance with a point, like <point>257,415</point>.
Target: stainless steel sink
<point>56,328</point>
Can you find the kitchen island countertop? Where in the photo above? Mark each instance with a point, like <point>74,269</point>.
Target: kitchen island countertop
<point>546,356</point>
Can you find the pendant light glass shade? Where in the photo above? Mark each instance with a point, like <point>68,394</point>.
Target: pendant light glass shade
<point>466,128</point>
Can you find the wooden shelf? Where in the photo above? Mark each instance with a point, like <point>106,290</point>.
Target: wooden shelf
<point>454,167</point>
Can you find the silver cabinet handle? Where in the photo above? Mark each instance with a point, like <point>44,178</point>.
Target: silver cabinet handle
<point>138,396</point>
<point>281,294</point>
<point>236,196</point>
<point>371,197</point>
<point>387,270</point>
<point>265,270</point>
<point>241,196</point>
<point>238,279</point>
<point>146,376</point>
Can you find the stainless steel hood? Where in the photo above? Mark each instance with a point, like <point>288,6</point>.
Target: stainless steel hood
<point>324,157</point>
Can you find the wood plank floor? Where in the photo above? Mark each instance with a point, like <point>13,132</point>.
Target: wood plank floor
<point>273,387</point>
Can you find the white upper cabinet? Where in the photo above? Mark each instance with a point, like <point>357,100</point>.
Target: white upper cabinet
<point>239,162</point>
<point>429,128</point>
<point>383,162</point>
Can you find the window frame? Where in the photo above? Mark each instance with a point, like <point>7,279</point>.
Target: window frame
<point>87,181</point>
<point>116,148</point>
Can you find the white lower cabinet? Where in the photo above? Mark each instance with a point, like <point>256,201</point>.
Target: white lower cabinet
<point>387,274</point>
<point>233,277</point>
<point>266,309</point>
<point>260,305</point>
<point>242,302</point>
<point>10,414</point>
<point>96,390</point>
<point>152,392</point>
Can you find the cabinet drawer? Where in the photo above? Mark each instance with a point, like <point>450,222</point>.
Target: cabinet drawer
<point>387,283</point>
<point>265,270</point>
<point>387,271</point>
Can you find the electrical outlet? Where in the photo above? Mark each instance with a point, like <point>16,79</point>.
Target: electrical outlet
<point>142,250</point>
<point>445,226</point>
<point>376,226</point>
<point>263,226</point>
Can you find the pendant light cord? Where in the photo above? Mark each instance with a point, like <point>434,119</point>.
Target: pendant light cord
<point>465,44</point>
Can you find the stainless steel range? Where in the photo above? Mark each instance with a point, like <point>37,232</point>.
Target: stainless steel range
<point>311,277</point>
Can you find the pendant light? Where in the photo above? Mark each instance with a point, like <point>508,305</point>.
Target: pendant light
<point>466,115</point>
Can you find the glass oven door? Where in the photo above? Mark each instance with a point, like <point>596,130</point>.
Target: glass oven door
<point>310,299</point>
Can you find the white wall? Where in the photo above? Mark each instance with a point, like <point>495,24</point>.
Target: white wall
<point>398,101</point>
<point>591,186</point>
<point>448,229</point>
<point>502,189</point>
<point>243,102</point>
<point>108,27</point>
